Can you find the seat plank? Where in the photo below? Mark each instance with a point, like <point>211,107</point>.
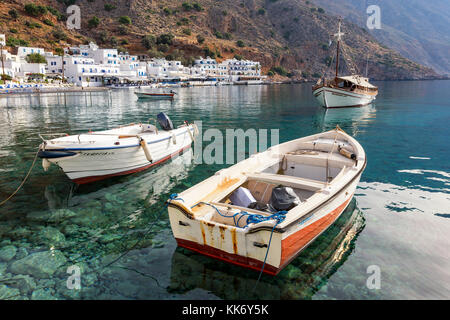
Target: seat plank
<point>290,181</point>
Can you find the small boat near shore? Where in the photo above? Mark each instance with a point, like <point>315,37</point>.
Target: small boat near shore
<point>155,96</point>
<point>344,91</point>
<point>94,156</point>
<point>263,211</point>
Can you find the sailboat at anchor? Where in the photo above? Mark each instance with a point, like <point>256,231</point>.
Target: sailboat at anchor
<point>344,91</point>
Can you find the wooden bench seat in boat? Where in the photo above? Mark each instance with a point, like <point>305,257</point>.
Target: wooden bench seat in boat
<point>319,158</point>
<point>289,181</point>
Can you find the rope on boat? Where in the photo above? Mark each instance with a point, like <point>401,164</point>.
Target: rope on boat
<point>24,180</point>
<point>254,218</point>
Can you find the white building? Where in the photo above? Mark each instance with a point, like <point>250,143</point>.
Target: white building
<point>209,68</point>
<point>243,68</point>
<point>163,69</point>
<point>22,52</point>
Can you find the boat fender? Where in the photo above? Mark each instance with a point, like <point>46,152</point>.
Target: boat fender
<point>45,164</point>
<point>145,148</point>
<point>174,138</point>
<point>190,134</point>
<point>347,153</point>
<point>196,132</point>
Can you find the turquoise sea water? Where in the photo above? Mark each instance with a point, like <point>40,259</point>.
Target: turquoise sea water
<point>399,220</point>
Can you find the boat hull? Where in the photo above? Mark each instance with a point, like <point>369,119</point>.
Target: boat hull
<point>337,98</point>
<point>85,165</point>
<point>154,96</point>
<point>234,246</point>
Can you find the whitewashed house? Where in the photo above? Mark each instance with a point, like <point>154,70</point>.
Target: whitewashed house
<point>244,71</point>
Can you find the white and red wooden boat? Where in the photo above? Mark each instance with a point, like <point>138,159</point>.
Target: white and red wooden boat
<point>155,96</point>
<point>322,170</point>
<point>98,155</point>
<point>344,91</point>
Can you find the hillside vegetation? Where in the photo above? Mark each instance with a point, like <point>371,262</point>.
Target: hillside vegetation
<point>288,37</point>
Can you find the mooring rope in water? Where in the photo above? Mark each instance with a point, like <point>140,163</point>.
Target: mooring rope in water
<point>24,180</point>
<point>173,196</point>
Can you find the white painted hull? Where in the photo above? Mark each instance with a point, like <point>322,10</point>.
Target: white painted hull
<point>336,98</point>
<point>142,95</point>
<point>103,159</point>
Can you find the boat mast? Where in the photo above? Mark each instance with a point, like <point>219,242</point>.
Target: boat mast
<point>338,35</point>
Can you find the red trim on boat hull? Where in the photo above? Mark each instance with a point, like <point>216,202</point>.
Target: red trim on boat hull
<point>236,259</point>
<point>290,247</point>
<point>296,242</point>
<point>97,178</point>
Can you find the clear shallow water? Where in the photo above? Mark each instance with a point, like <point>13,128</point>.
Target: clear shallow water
<point>399,219</point>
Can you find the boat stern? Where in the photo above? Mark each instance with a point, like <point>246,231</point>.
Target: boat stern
<point>235,245</point>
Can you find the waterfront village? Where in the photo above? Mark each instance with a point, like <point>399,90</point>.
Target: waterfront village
<point>89,66</point>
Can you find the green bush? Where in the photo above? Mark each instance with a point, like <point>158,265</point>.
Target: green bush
<point>48,22</point>
<point>240,43</point>
<point>93,22</point>
<point>320,10</point>
<point>35,58</point>
<point>59,34</point>
<point>125,20</point>
<point>184,21</point>
<point>187,31</point>
<point>218,35</point>
<point>261,11</point>
<point>6,77</point>
<point>209,53</point>
<point>280,70</point>
<point>32,25</point>
<point>35,10</point>
<point>110,7</point>
<point>56,13</point>
<point>14,42</point>
<point>59,51</point>
<point>163,47</point>
<point>238,57</point>
<point>187,6</point>
<point>12,30</point>
<point>13,13</point>
<point>166,38</point>
<point>200,39</point>
<point>197,6</point>
<point>149,41</point>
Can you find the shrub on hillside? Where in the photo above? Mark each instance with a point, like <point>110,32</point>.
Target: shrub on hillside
<point>125,20</point>
<point>13,13</point>
<point>200,39</point>
<point>149,41</point>
<point>93,22</point>
<point>35,10</point>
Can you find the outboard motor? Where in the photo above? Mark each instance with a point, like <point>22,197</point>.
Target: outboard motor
<point>283,199</point>
<point>164,121</point>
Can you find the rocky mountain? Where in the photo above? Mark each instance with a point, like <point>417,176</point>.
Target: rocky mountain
<point>289,37</point>
<point>417,29</point>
